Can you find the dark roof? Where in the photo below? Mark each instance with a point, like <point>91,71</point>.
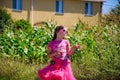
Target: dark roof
<point>94,0</point>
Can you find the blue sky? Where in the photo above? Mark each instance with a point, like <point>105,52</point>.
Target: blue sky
<point>108,5</point>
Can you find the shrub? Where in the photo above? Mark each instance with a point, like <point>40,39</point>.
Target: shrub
<point>5,19</point>
<point>22,25</point>
<point>113,18</point>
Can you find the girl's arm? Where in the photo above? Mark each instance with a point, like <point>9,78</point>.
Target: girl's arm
<point>73,48</point>
<point>50,54</point>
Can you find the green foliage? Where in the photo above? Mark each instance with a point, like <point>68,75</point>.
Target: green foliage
<point>49,27</point>
<point>100,52</point>
<point>5,19</point>
<point>23,25</point>
<point>99,55</point>
<point>31,46</point>
<point>113,18</point>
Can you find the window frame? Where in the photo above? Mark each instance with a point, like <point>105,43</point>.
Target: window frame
<point>59,7</point>
<point>17,5</point>
<point>88,9</point>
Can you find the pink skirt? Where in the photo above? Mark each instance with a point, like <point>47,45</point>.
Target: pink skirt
<point>58,70</point>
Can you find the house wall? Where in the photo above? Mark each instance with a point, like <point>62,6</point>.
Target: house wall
<point>44,10</point>
<point>73,10</point>
<point>24,14</point>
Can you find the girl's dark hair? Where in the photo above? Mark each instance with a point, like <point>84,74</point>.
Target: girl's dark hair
<point>56,30</point>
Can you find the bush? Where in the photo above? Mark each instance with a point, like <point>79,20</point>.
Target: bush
<point>22,25</point>
<point>5,19</point>
<point>30,46</point>
<point>99,58</point>
<point>113,18</point>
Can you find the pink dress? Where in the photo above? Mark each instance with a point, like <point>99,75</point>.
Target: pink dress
<point>59,67</point>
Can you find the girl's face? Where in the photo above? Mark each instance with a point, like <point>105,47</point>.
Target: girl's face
<point>61,33</point>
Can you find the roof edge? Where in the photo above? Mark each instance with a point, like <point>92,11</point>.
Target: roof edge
<point>94,0</point>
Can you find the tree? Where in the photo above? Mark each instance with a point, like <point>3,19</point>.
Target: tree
<point>119,1</point>
<point>113,18</point>
<point>5,19</point>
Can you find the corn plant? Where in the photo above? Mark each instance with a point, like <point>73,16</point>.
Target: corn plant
<point>99,55</point>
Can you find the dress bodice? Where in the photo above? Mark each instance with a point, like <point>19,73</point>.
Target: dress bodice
<point>61,46</point>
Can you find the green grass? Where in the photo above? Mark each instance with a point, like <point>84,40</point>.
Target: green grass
<point>17,70</point>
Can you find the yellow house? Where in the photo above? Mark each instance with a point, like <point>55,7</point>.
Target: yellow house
<point>64,12</point>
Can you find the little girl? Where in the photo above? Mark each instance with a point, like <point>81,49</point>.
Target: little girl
<point>59,51</point>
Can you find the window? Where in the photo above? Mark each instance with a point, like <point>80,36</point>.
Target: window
<point>88,9</point>
<point>17,5</point>
<point>59,6</point>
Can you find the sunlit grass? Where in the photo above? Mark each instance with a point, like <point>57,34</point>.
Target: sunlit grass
<point>17,70</point>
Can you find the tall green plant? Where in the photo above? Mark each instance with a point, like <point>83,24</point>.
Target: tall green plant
<point>5,19</point>
<point>100,50</point>
<point>113,18</point>
<point>31,46</point>
<point>23,25</point>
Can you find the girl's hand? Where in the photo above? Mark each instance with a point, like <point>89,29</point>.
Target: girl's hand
<point>58,52</point>
<point>77,46</point>
<point>74,47</point>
